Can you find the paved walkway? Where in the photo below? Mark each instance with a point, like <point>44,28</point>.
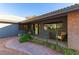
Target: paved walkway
<point>30,48</point>
<point>8,51</point>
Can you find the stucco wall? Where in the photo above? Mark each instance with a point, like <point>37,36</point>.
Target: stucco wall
<point>73,30</point>
<point>11,30</point>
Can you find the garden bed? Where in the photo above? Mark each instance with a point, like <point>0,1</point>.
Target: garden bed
<point>56,47</point>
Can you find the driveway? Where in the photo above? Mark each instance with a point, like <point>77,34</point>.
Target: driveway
<point>8,51</point>
<point>30,48</point>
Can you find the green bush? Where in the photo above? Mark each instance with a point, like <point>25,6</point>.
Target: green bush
<point>52,46</point>
<point>25,38</point>
<point>38,41</point>
<point>69,51</point>
<point>58,48</point>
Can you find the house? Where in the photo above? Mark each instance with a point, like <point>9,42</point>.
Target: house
<point>61,25</point>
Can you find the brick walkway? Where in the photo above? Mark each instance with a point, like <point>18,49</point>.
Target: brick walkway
<point>30,48</point>
<point>8,51</point>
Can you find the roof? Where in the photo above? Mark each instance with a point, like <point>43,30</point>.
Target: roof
<point>29,18</point>
<point>56,12</point>
<point>4,18</point>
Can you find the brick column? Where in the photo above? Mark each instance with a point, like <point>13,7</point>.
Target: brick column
<point>73,30</point>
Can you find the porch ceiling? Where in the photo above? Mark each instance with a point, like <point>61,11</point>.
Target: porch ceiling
<point>49,19</point>
<point>8,22</point>
<point>10,19</point>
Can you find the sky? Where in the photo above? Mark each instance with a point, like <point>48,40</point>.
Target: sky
<point>29,9</point>
<point>18,11</point>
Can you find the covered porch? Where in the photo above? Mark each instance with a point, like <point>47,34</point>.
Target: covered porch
<point>53,29</point>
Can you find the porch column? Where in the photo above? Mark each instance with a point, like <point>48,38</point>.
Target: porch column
<point>73,30</point>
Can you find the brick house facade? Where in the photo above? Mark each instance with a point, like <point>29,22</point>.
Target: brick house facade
<point>69,17</point>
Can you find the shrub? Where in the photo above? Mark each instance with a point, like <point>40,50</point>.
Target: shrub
<point>52,46</point>
<point>25,38</point>
<point>58,48</point>
<point>67,51</point>
<point>38,41</point>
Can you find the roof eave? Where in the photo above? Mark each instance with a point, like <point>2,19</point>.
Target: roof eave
<point>54,13</point>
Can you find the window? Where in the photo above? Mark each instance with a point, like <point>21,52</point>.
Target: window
<point>54,26</point>
<point>54,29</point>
<point>36,29</point>
<point>23,27</point>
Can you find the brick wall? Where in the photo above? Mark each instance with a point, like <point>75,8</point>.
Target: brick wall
<point>73,30</point>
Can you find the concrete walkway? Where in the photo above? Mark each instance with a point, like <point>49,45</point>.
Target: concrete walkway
<point>30,48</point>
<point>8,51</point>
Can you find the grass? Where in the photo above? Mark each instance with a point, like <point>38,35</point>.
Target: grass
<point>65,51</point>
